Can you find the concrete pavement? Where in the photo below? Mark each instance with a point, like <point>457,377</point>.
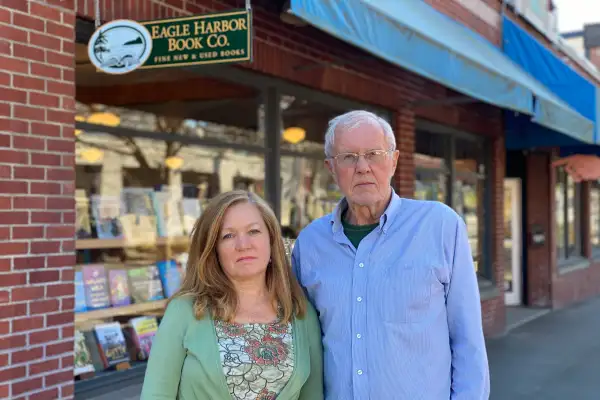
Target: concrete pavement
<point>554,357</point>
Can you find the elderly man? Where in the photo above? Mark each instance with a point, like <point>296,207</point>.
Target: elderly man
<point>392,279</point>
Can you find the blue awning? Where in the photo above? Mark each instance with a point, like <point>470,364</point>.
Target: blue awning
<point>574,89</point>
<point>415,36</point>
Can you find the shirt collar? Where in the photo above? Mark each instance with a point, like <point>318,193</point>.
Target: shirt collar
<point>389,213</point>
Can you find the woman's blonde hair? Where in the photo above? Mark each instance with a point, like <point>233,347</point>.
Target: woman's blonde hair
<point>205,280</point>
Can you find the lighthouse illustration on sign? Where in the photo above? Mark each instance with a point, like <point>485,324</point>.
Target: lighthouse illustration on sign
<point>120,46</point>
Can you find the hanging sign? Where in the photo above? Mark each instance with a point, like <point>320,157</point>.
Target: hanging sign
<point>122,46</point>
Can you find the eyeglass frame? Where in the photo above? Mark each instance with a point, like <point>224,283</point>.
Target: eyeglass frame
<point>358,155</point>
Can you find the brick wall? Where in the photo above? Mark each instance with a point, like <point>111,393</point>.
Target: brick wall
<point>36,198</point>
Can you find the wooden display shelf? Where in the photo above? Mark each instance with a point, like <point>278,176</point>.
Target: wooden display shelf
<point>83,244</point>
<point>133,309</point>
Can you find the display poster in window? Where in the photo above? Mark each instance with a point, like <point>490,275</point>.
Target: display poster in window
<point>122,46</point>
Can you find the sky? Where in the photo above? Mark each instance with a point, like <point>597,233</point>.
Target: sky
<point>573,14</point>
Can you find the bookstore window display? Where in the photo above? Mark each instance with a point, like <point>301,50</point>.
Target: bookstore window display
<point>137,199</point>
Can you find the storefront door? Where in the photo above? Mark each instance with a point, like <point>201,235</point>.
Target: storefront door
<point>512,242</point>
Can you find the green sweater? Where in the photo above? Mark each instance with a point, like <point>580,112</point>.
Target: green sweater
<point>185,363</point>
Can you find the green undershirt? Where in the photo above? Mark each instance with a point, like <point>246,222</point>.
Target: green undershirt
<point>356,233</point>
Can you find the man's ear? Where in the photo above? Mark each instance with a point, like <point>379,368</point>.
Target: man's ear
<point>329,165</point>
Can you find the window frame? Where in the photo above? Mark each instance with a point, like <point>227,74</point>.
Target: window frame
<point>563,259</point>
<point>595,250</point>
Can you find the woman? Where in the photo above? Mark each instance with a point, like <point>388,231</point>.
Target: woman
<point>240,327</point>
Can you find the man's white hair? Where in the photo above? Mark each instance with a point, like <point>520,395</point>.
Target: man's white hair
<point>354,119</point>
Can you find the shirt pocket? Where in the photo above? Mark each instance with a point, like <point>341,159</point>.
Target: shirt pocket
<point>406,295</point>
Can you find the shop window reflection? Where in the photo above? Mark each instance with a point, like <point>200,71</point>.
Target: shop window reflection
<point>437,158</point>
<point>567,215</point>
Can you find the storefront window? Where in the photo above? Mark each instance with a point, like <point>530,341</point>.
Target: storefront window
<point>595,217</point>
<point>568,214</point>
<point>448,163</point>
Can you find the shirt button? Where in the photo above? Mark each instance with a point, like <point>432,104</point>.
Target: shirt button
<point>359,372</point>
<point>359,299</point>
<point>358,335</point>
<point>361,265</point>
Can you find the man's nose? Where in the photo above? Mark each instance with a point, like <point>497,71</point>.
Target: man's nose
<point>362,165</point>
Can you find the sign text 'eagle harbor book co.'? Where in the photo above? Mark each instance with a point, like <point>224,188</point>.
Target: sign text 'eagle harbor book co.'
<point>122,46</point>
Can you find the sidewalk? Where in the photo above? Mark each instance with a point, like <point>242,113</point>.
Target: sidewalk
<point>555,357</point>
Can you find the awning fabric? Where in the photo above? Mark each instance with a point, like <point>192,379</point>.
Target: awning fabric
<point>574,89</point>
<point>415,36</point>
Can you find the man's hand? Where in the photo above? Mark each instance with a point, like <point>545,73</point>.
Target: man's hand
<point>580,167</point>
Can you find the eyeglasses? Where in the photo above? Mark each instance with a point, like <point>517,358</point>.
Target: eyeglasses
<point>373,157</point>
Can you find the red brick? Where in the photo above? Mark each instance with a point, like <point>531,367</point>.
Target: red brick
<point>67,361</point>
<point>12,311</point>
<point>4,330</point>
<point>5,172</point>
<point>30,354</point>
<point>44,100</point>
<point>60,260</point>
<point>27,293</point>
<point>14,187</point>
<point>60,31</point>
<point>12,249</point>
<point>60,203</point>
<point>5,111</point>
<point>68,245</point>
<point>68,47</point>
<point>29,143</point>
<point>43,306</point>
<point>13,34</point>
<point>61,145</point>
<point>5,203</point>
<point>4,391</point>
<point>45,336</point>
<point>67,304</point>
<point>45,159</point>
<point>44,70</point>
<point>60,174</point>
<point>13,279</point>
<point>30,113</point>
<point>13,125</point>
<point>65,117</point>
<point>63,289</point>
<point>59,377</point>
<point>27,386</point>
<point>13,96</point>
<point>5,16</point>
<point>68,332</point>
<point>49,394</point>
<point>12,373</point>
<point>4,294</point>
<point>44,217</point>
<point>5,140</point>
<point>44,41</point>
<point>44,276</point>
<point>59,348</point>
<point>4,234</point>
<point>28,22</point>
<point>28,52</point>
<point>18,5</point>
<point>27,324</point>
<point>28,82</point>
<point>4,77</point>
<point>59,319</point>
<point>14,217</point>
<point>29,202</point>
<point>29,172</point>
<point>44,129</point>
<point>54,232</point>
<point>48,188</point>
<point>45,247</point>
<point>27,232</point>
<point>64,60</point>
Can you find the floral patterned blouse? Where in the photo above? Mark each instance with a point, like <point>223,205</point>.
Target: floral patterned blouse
<point>257,359</point>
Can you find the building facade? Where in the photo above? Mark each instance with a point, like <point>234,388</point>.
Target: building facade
<point>76,144</point>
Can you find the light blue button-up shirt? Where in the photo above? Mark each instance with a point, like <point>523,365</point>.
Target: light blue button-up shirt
<point>401,315</point>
